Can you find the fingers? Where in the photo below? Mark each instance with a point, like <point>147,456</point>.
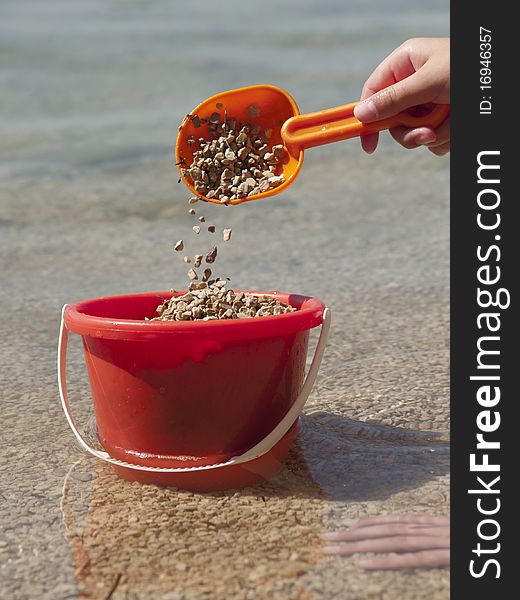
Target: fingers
<point>383,76</point>
<point>396,66</point>
<point>437,140</point>
<point>420,540</point>
<point>386,530</point>
<point>408,518</point>
<point>424,136</point>
<point>418,88</point>
<point>413,138</point>
<point>398,543</point>
<point>425,559</point>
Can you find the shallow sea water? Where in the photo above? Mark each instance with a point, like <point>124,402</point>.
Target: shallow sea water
<point>91,95</point>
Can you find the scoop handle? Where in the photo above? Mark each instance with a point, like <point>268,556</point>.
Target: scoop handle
<point>336,124</point>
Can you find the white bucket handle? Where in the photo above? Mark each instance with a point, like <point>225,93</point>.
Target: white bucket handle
<point>256,451</point>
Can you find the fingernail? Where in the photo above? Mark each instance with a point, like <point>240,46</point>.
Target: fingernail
<point>365,111</point>
<point>331,549</point>
<point>425,137</point>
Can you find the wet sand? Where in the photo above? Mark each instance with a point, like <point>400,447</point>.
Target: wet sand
<point>90,206</point>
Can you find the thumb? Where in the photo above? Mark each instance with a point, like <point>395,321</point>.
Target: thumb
<point>418,88</point>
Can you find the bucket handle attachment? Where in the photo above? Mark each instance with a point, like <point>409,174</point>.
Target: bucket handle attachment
<point>255,452</point>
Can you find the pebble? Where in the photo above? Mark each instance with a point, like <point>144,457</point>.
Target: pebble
<point>212,255</point>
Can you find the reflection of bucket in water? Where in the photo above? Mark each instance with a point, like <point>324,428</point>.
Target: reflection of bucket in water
<point>147,541</point>
<point>196,404</point>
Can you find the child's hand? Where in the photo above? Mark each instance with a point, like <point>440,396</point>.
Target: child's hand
<point>409,541</point>
<point>416,73</point>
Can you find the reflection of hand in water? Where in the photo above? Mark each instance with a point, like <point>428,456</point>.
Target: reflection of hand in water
<point>418,540</point>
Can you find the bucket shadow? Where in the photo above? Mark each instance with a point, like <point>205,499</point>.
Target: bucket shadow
<point>349,460</point>
<point>356,461</point>
<point>132,540</point>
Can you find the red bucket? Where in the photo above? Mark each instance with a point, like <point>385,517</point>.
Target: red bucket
<point>199,405</point>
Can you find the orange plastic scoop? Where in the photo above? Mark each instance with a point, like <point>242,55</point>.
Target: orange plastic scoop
<point>273,108</point>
